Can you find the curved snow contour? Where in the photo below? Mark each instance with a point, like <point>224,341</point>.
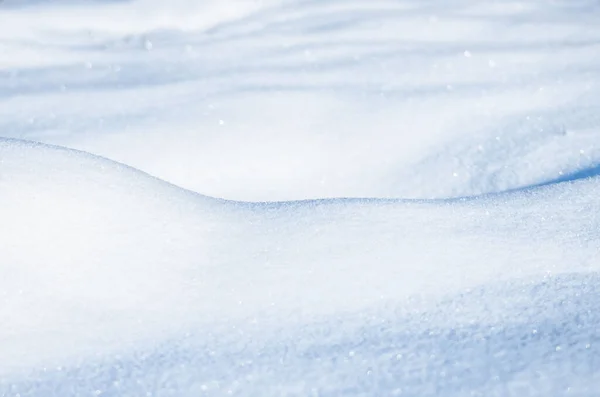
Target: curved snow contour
<point>91,251</point>
<point>98,259</point>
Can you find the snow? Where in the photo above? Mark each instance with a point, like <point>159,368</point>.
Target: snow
<point>299,198</point>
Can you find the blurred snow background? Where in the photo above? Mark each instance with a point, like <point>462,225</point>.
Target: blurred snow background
<point>405,197</point>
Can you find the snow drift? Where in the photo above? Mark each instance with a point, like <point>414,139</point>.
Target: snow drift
<point>354,98</point>
<point>471,270</point>
<point>101,261</point>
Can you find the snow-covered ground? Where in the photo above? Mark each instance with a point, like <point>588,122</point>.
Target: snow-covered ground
<point>299,198</point>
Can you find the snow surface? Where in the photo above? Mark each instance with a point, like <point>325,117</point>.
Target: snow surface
<point>294,197</point>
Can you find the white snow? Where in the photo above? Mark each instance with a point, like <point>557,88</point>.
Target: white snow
<point>357,197</point>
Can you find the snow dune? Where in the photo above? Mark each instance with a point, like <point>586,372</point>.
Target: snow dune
<point>100,262</point>
<point>355,198</point>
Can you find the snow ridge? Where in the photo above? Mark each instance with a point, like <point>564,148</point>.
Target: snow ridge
<point>228,277</point>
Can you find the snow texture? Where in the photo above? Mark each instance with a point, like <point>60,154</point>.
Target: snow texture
<point>299,198</point>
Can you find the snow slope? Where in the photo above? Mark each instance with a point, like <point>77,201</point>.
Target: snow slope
<point>471,269</point>
<point>100,262</point>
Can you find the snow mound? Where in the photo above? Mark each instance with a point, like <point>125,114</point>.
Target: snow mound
<point>111,275</point>
<point>88,245</point>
